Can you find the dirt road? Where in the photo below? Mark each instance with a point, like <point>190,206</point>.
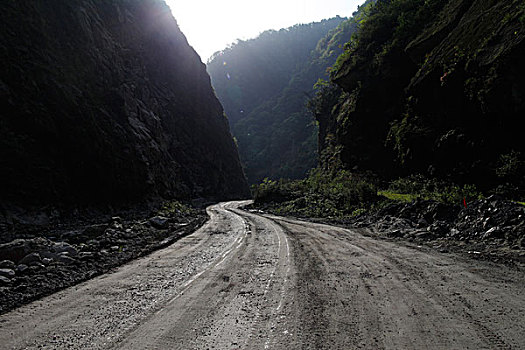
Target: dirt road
<point>247,281</point>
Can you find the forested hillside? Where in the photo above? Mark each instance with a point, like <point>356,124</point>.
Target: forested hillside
<point>264,85</point>
<point>433,88</point>
<point>420,129</point>
<point>426,102</point>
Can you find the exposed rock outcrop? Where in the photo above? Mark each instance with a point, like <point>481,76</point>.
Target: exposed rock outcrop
<point>105,102</point>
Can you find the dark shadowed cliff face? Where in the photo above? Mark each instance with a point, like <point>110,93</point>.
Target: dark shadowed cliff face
<point>104,102</point>
<point>433,87</point>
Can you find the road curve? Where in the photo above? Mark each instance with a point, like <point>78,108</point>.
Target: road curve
<point>250,281</point>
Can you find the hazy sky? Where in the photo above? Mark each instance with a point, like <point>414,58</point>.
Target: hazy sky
<point>211,25</point>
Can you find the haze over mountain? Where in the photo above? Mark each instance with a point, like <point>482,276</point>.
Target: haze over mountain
<point>264,85</point>
<point>210,26</point>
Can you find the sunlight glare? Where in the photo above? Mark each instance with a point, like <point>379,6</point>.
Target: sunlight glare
<point>211,26</point>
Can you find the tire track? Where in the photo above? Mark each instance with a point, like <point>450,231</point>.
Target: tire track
<point>418,296</point>
<point>246,281</point>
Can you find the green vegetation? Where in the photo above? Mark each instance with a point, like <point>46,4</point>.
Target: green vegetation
<point>357,20</point>
<point>418,186</point>
<point>398,197</point>
<point>176,208</point>
<point>414,92</point>
<point>510,171</point>
<point>511,166</point>
<point>321,194</point>
<point>385,27</point>
<point>407,101</point>
<point>264,85</point>
<point>343,194</point>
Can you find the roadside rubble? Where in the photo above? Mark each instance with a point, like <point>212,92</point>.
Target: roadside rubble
<point>490,228</point>
<point>33,267</point>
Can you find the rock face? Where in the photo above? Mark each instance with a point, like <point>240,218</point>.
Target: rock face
<point>105,102</point>
<point>445,97</point>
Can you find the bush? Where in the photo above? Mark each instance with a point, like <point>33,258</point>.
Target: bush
<point>176,208</point>
<point>511,166</point>
<point>321,194</point>
<point>413,184</point>
<point>276,191</point>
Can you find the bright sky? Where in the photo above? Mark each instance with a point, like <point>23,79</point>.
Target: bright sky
<point>211,25</point>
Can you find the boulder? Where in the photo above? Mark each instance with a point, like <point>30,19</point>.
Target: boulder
<point>159,222</point>
<point>116,219</point>
<point>425,235</point>
<point>94,231</point>
<point>36,267</point>
<point>62,247</point>
<point>66,259</point>
<point>7,264</point>
<point>9,273</point>
<point>421,223</point>
<point>437,211</point>
<point>395,233</point>
<point>86,255</point>
<point>439,228</point>
<point>21,268</point>
<point>46,254</point>
<point>494,233</point>
<point>454,232</point>
<point>116,223</point>
<point>19,248</point>
<point>4,281</point>
<point>31,258</point>
<point>73,236</point>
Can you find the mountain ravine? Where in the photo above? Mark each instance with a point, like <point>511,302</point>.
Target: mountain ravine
<point>264,85</point>
<point>105,102</point>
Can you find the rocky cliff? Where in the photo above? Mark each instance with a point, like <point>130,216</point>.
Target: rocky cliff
<point>433,87</point>
<point>105,102</point>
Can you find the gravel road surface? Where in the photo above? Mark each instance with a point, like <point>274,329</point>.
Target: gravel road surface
<point>251,281</point>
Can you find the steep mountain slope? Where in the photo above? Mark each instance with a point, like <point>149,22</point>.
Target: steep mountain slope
<point>105,102</point>
<point>264,85</point>
<point>432,87</point>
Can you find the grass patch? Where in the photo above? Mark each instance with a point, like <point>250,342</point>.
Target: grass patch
<point>398,197</point>
<point>415,186</point>
<point>341,193</point>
